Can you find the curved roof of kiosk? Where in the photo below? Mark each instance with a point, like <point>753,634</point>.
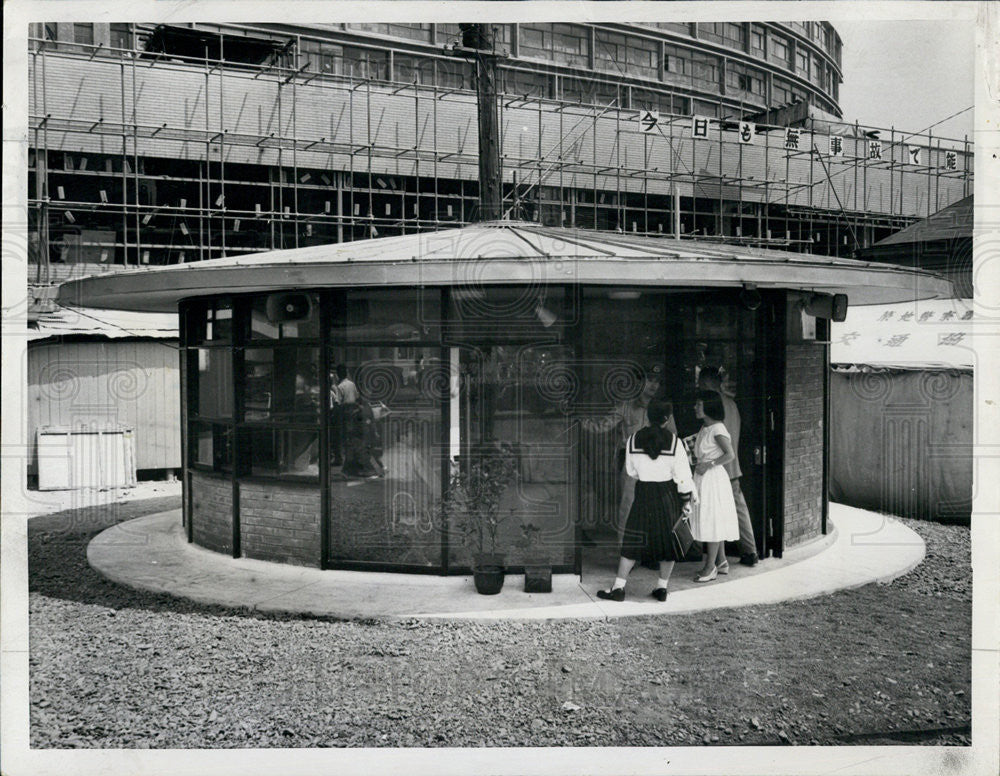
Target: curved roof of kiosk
<point>506,252</point>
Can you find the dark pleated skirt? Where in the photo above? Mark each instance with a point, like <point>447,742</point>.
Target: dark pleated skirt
<point>649,528</point>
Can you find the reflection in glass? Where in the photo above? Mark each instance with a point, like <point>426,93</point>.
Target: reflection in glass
<point>485,313</point>
<point>211,446</point>
<point>282,384</point>
<point>210,321</point>
<point>283,452</point>
<point>385,475</point>
<point>388,315</point>
<point>215,383</point>
<point>522,396</point>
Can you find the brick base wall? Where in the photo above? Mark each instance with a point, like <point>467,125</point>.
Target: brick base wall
<point>804,369</point>
<point>281,522</point>
<point>212,512</point>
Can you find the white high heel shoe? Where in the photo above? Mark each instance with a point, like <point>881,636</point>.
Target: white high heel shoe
<point>708,578</point>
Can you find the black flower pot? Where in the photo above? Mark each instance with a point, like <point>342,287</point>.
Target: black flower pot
<point>488,579</point>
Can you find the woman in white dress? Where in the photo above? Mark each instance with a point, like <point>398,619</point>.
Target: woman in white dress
<point>715,520</point>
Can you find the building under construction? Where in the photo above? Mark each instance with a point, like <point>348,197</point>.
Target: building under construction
<point>164,144</point>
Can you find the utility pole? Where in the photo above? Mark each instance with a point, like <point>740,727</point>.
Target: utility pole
<point>477,45</point>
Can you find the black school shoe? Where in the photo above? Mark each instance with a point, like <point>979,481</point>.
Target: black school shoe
<point>615,594</point>
<point>660,594</point>
<point>749,559</point>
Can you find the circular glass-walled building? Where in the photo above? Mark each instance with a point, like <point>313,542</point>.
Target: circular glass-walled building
<point>329,392</point>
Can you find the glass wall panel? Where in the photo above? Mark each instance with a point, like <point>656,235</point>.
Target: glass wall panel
<point>610,372</point>
<point>386,452</point>
<point>209,322</point>
<point>485,314</point>
<point>292,315</point>
<point>213,372</point>
<point>387,315</point>
<point>516,401</point>
<point>211,446</point>
<point>276,452</point>
<point>282,384</point>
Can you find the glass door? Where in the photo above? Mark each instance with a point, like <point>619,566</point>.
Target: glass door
<point>518,398</point>
<point>717,330</point>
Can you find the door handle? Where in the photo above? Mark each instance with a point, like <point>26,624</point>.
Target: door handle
<point>758,456</point>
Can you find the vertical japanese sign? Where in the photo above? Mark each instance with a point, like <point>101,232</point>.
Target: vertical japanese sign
<point>699,126</point>
<point>649,120</point>
<point>747,131</point>
<point>914,154</point>
<point>951,160</point>
<point>792,139</point>
<point>836,145</point>
<point>875,150</point>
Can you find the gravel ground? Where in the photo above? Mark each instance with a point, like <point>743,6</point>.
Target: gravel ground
<point>112,667</point>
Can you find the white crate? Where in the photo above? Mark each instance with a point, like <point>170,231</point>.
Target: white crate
<point>75,458</point>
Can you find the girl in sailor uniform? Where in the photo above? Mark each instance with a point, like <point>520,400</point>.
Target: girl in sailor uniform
<point>715,521</point>
<point>665,490</point>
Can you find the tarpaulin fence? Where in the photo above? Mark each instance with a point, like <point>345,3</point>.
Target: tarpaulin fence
<point>901,442</point>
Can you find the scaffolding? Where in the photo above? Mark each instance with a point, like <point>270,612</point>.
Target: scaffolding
<point>140,158</point>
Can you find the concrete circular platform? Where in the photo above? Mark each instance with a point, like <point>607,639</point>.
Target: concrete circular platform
<point>152,553</point>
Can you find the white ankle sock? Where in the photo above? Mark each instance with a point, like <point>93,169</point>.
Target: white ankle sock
<point>661,583</point>
<point>619,582</point>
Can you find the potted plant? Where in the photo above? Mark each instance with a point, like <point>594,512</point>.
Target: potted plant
<point>537,567</point>
<point>471,508</point>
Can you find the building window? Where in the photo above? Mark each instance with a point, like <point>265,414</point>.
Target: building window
<point>677,61</point>
<point>757,40</point>
<point>705,68</point>
<point>646,99</point>
<point>728,34</point>
<point>324,58</point>
<point>420,32</point>
<point>642,55</point>
<point>410,69</point>
<point>366,63</point>
<point>83,33</point>
<point>802,62</point>
<point>745,79</point>
<point>121,36</point>
<point>589,91</point>
<point>568,44</point>
<point>777,49</point>
<point>734,35</point>
<point>818,76</point>
<point>527,83</point>
<point>684,29</point>
<point>453,74</point>
<point>781,92</point>
<point>634,55</point>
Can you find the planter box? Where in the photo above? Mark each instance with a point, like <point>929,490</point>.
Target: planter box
<point>537,578</point>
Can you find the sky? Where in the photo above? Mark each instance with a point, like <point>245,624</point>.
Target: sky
<point>908,74</point>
